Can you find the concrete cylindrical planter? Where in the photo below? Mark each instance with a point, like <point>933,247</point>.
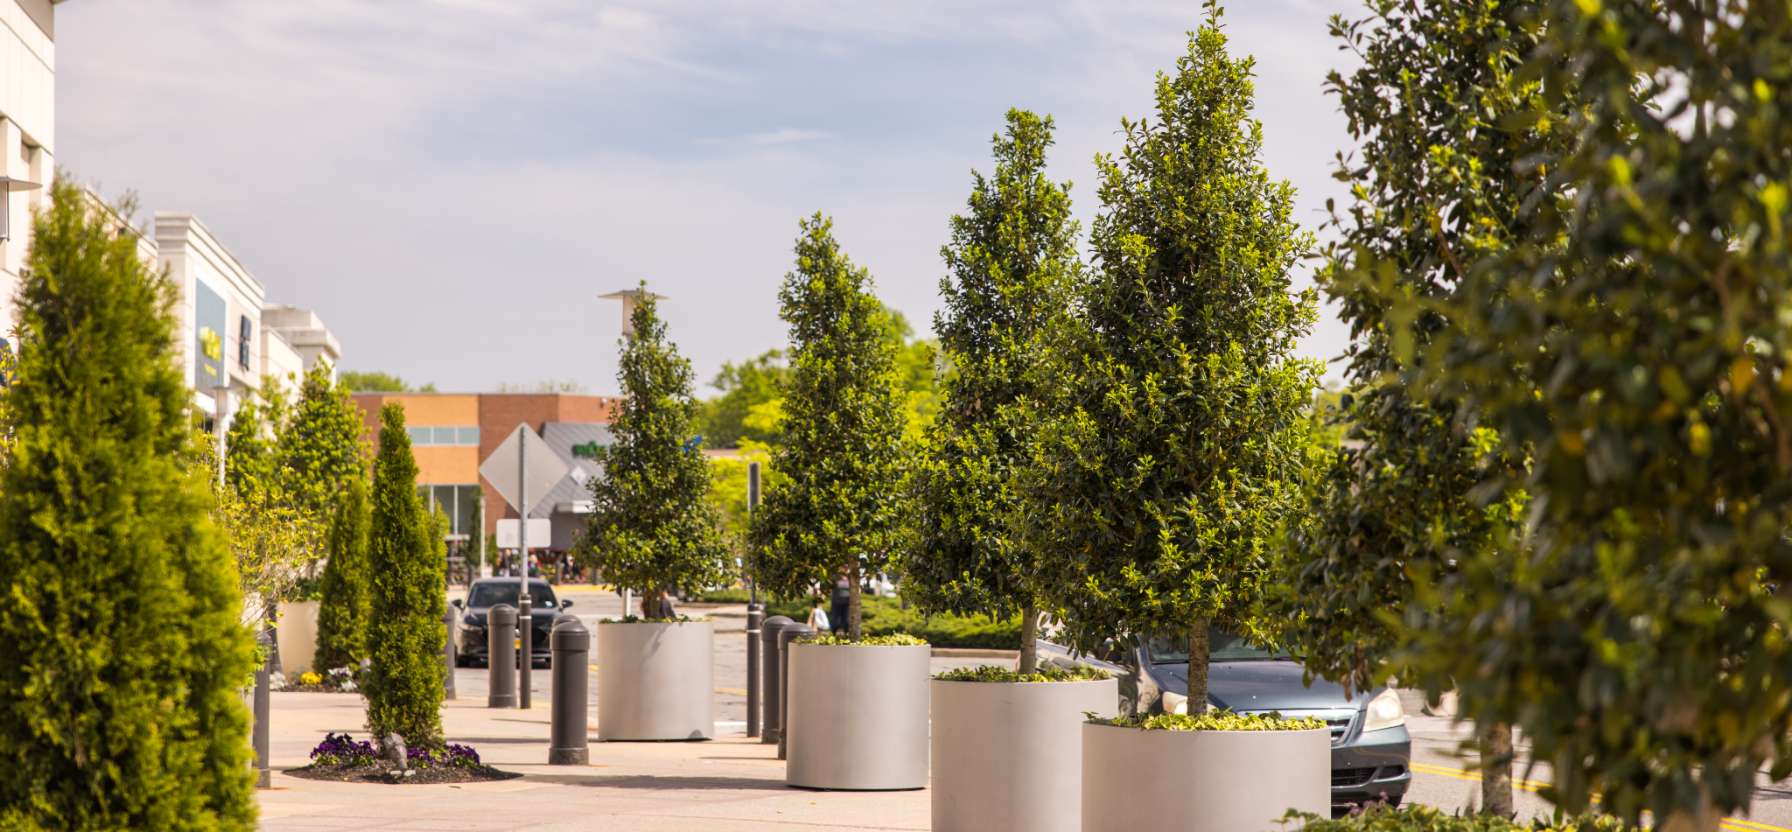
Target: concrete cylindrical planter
<point>297,634</point>
<point>857,716</point>
<point>1202,781</point>
<point>655,680</point>
<point>1009,755</point>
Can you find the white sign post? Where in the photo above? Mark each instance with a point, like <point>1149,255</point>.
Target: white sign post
<point>537,469</point>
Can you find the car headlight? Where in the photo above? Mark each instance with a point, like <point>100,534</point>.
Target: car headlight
<point>1384,711</point>
<point>1175,703</point>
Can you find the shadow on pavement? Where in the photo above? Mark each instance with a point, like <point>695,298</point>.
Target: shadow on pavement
<point>649,782</point>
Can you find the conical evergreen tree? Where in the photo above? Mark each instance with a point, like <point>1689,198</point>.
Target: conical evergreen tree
<point>321,449</point>
<point>840,508</point>
<point>1161,484</point>
<point>1012,263</point>
<point>121,648</point>
<point>345,609</point>
<point>653,528</point>
<point>405,634</point>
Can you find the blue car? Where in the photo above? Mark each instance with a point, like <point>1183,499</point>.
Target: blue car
<point>1371,750</point>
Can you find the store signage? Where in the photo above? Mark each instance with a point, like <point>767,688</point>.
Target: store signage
<point>587,450</point>
<point>209,313</point>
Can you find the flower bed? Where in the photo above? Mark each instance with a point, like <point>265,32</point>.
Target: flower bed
<point>343,758</point>
<point>339,680</point>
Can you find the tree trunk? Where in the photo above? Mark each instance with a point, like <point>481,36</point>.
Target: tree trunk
<point>1198,652</point>
<point>1496,771</point>
<point>1029,639</point>
<point>853,615</point>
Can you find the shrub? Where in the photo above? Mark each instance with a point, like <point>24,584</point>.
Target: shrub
<point>888,640</point>
<point>406,632</point>
<point>1213,721</point>
<point>121,645</point>
<point>1002,675</point>
<point>1381,818</point>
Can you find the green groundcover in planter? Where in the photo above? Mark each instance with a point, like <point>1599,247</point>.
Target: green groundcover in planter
<point>1427,819</point>
<point>886,640</point>
<point>1213,721</point>
<point>997,674</point>
<point>886,615</point>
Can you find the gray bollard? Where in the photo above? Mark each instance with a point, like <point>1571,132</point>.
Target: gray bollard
<point>570,646</point>
<point>500,656</point>
<point>755,617</point>
<point>785,637</point>
<point>451,618</point>
<point>264,778</point>
<point>769,678</point>
<point>525,628</point>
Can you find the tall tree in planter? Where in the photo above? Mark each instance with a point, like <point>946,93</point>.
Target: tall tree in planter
<point>1642,645</point>
<point>322,449</point>
<point>121,653</point>
<point>840,507</point>
<point>346,606</point>
<point>1012,262</point>
<point>1438,182</point>
<point>653,529</point>
<point>405,634</point>
<point>1160,482</point>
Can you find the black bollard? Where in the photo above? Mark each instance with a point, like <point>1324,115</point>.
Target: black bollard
<point>785,637</point>
<point>755,617</point>
<point>500,656</point>
<point>570,646</point>
<point>769,677</point>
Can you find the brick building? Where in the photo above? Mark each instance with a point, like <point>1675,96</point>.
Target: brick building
<point>452,434</point>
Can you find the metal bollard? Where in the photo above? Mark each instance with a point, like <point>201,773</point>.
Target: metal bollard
<point>264,778</point>
<point>785,637</point>
<point>451,619</point>
<point>525,628</point>
<point>570,645</point>
<point>755,617</point>
<point>500,656</point>
<point>768,675</point>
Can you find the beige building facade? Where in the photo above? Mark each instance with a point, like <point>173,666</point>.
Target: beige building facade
<point>27,132</point>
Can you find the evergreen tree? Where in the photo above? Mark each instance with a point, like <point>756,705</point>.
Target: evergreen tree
<point>653,529</point>
<point>121,652</point>
<point>343,614</point>
<point>839,508</point>
<point>405,633</point>
<point>249,462</point>
<point>1012,263</point>
<point>1631,338</point>
<point>321,449</point>
<point>1163,478</point>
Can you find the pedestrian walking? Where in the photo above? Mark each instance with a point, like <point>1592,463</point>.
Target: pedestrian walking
<point>842,603</point>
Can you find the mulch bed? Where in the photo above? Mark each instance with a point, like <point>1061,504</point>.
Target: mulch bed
<point>419,776</point>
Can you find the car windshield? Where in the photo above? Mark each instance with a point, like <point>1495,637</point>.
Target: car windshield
<point>1222,647</point>
<point>504,592</point>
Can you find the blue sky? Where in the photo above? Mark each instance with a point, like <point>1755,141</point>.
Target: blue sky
<point>451,184</point>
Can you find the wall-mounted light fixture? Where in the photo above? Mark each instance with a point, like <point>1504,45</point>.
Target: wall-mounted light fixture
<point>7,186</point>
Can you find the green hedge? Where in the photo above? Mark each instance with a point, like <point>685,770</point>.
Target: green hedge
<point>884,616</point>
<point>1428,819</point>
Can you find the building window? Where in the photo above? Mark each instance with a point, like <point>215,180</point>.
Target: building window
<point>245,331</point>
<point>459,502</point>
<point>445,436</point>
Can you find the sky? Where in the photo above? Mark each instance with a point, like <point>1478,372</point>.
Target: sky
<point>451,184</point>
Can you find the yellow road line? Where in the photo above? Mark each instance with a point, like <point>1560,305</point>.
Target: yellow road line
<point>1731,824</point>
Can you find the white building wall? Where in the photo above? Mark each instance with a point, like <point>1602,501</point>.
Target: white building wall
<point>217,294</point>
<point>27,132</point>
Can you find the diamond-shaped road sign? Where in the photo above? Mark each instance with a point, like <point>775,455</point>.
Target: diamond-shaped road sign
<point>543,468</point>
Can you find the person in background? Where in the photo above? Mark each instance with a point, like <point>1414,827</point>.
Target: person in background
<point>842,602</point>
<point>818,620</point>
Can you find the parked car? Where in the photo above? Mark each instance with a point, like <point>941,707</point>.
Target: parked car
<point>1371,750</point>
<point>471,643</point>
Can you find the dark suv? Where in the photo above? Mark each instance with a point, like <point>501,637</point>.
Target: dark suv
<point>1371,751</point>
<point>471,643</point>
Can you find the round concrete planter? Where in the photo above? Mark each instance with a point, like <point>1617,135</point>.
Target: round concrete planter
<point>1202,781</point>
<point>857,717</point>
<point>296,632</point>
<point>1009,755</point>
<point>655,680</point>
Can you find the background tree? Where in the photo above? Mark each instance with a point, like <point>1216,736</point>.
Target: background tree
<point>343,614</point>
<point>1163,476</point>
<point>405,633</point>
<point>1012,263</point>
<point>121,654</point>
<point>652,526</point>
<point>1641,646</point>
<point>374,381</point>
<point>840,508</point>
<point>743,386</point>
<point>321,450</point>
<point>251,442</point>
<point>1438,123</point>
